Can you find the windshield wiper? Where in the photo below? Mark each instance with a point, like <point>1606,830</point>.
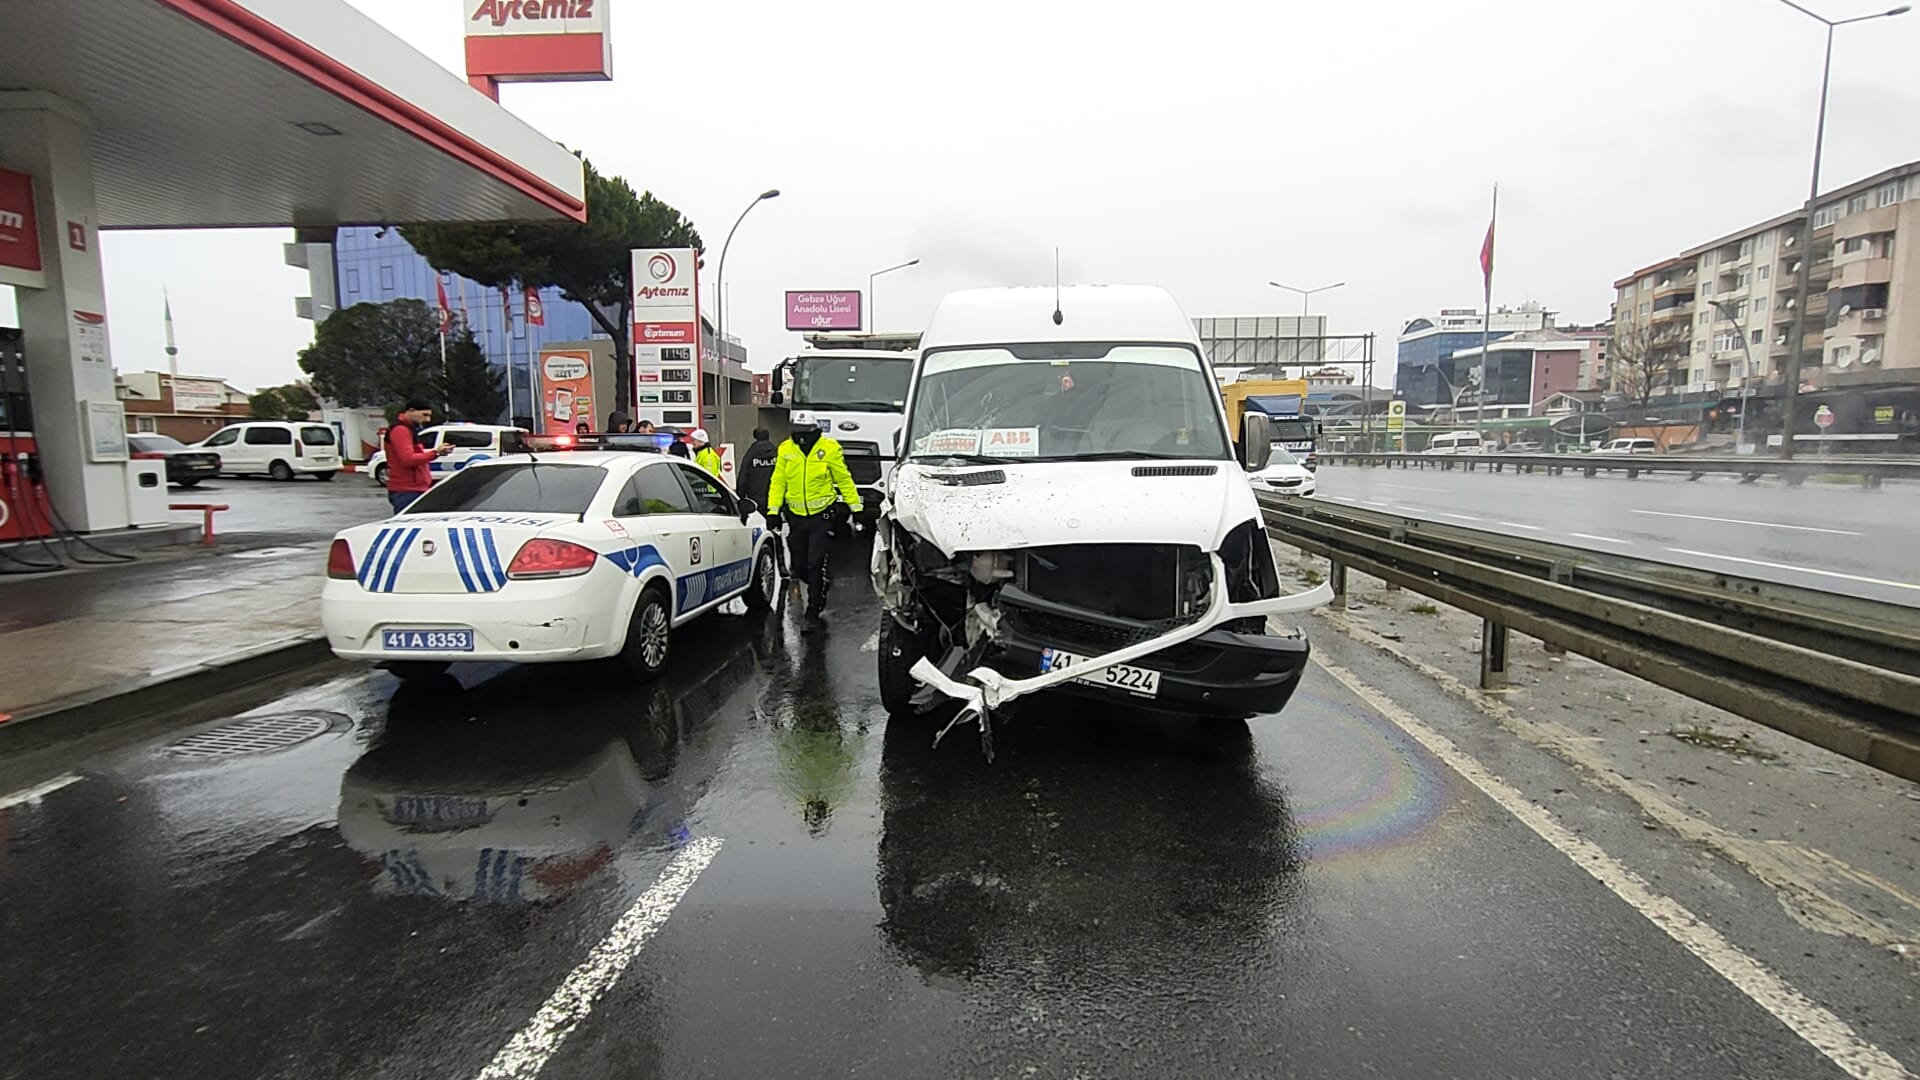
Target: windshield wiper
<point>970,459</point>
<point>1114,455</point>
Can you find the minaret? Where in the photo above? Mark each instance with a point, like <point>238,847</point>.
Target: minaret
<point>173,354</point>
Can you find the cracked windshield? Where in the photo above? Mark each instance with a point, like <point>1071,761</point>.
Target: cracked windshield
<point>1290,540</point>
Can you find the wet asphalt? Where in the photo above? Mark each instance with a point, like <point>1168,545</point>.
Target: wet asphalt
<point>1116,894</point>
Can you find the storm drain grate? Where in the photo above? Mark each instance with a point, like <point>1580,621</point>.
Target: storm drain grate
<point>255,735</point>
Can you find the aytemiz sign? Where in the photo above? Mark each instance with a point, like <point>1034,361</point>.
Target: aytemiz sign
<point>538,40</point>
<point>19,232</point>
<point>823,310</point>
<point>666,336</point>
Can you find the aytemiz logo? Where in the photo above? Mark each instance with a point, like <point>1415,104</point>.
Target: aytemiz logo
<point>501,12</point>
<point>661,267</point>
<point>655,292</point>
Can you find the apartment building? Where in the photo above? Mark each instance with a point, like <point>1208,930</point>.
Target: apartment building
<point>1718,317</point>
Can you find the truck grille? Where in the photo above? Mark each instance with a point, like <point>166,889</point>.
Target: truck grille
<point>863,461</point>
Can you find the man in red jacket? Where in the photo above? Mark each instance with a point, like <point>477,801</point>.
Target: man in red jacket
<point>408,477</point>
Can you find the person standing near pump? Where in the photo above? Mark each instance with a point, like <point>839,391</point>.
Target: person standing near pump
<point>704,455</point>
<point>408,474</point>
<point>809,476</point>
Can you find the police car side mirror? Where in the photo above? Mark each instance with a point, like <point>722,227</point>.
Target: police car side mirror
<point>747,509</point>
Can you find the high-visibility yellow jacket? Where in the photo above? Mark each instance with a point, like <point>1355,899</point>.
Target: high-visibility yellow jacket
<point>708,459</point>
<point>806,482</point>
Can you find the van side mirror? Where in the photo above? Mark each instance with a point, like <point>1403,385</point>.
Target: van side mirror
<point>779,382</point>
<point>777,398</point>
<point>896,443</point>
<point>1256,441</point>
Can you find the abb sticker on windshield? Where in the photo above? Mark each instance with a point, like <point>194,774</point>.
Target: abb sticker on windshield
<point>1011,442</point>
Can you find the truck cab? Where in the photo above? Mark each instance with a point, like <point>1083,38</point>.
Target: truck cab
<point>1069,515</point>
<point>1284,401</point>
<point>857,385</point>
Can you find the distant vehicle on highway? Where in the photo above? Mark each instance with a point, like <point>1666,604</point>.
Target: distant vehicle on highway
<point>280,449</point>
<point>554,555</point>
<point>1285,474</point>
<point>1460,442</point>
<point>186,465</point>
<point>1630,446</point>
<point>1525,446</point>
<point>470,442</point>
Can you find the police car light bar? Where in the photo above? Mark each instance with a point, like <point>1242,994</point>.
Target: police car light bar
<point>652,444</point>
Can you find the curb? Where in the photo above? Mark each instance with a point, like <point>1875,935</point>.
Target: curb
<point>161,691</point>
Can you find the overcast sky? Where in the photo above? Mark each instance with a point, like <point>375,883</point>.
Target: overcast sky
<point>1207,147</point>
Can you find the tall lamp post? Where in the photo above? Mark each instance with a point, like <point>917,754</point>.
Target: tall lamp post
<point>1726,312</point>
<point>720,317</point>
<point>1789,398</point>
<point>1305,296</point>
<point>873,309</point>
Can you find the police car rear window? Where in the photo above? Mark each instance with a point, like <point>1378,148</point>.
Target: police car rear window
<point>532,488</point>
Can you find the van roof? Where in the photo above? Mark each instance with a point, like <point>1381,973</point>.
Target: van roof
<point>1089,313</point>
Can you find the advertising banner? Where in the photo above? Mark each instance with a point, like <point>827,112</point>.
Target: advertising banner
<point>566,390</point>
<point>19,232</point>
<point>666,333</point>
<point>198,395</point>
<point>539,40</point>
<point>823,309</point>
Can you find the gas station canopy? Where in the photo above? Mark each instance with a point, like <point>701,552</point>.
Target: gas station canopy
<point>211,113</point>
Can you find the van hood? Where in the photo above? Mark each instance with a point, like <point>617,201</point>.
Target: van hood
<point>1040,504</point>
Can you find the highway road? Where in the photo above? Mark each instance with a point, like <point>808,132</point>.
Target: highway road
<point>746,871</point>
<point>1839,539</point>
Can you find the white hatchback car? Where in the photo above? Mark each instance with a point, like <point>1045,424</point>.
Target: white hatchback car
<point>547,556</point>
<point>1284,475</point>
<point>470,442</point>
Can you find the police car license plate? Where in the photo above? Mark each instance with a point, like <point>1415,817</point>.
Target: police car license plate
<point>443,640</point>
<point>1139,682</point>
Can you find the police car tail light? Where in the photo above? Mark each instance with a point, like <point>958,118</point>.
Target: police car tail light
<point>340,561</point>
<point>551,559</point>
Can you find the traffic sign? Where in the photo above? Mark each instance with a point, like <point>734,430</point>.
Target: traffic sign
<point>1823,417</point>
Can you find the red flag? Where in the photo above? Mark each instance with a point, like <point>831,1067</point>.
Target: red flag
<point>446,312</point>
<point>536,312</point>
<point>1486,246</point>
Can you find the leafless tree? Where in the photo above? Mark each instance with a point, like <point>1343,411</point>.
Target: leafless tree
<point>1643,357</point>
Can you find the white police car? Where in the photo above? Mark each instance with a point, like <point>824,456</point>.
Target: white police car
<point>546,556</point>
<point>470,443</point>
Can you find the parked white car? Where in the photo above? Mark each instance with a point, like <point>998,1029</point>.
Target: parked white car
<point>1285,474</point>
<point>470,442</point>
<point>282,450</point>
<point>1630,446</point>
<point>548,556</point>
<point>1460,442</point>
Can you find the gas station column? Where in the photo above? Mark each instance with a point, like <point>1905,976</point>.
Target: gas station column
<point>77,416</point>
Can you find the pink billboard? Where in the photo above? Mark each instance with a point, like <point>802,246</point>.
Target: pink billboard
<point>832,309</point>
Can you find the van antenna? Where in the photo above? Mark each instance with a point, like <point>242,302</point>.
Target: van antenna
<point>1057,317</point>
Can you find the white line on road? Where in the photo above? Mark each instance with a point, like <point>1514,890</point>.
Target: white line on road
<point>1517,525</point>
<point>1820,1028</point>
<point>1743,521</point>
<point>1343,498</point>
<point>1462,517</point>
<point>1376,502</point>
<point>872,644</point>
<point>37,791</point>
<point>527,1053</point>
<point>1602,539</point>
<point>1798,569</point>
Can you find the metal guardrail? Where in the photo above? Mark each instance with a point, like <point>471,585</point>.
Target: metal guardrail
<point>1870,470</point>
<point>1838,671</point>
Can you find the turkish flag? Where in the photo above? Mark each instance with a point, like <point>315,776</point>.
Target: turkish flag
<point>1486,246</point>
<point>446,312</point>
<point>536,312</point>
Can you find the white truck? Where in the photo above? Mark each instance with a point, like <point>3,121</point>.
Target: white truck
<point>1068,514</point>
<point>857,385</point>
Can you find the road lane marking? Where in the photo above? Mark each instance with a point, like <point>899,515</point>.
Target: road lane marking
<point>1343,498</point>
<point>872,644</point>
<point>527,1053</point>
<point>1463,517</point>
<point>1517,525</point>
<point>1797,569</point>
<point>38,791</point>
<point>1818,1027</point>
<point>1743,521</point>
<point>1601,539</point>
<point>1376,502</point>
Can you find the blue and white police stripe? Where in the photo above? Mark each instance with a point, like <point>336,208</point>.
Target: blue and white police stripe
<point>478,572</point>
<point>381,568</point>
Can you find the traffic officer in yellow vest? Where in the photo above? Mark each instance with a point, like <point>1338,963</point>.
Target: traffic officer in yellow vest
<point>704,455</point>
<point>809,476</point>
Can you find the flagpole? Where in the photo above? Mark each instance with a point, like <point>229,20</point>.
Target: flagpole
<point>1486,331</point>
<point>506,317</point>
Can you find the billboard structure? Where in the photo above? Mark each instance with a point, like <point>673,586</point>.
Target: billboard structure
<point>566,389</point>
<point>537,41</point>
<point>824,309</point>
<point>666,337</point>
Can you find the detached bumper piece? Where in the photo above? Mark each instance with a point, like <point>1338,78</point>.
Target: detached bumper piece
<point>1224,672</point>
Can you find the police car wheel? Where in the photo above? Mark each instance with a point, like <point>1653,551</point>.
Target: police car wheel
<point>414,670</point>
<point>380,476</point>
<point>649,637</point>
<point>766,581</point>
<point>899,651</point>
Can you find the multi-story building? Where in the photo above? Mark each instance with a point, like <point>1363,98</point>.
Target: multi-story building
<point>1424,374</point>
<point>1525,369</point>
<point>1718,317</point>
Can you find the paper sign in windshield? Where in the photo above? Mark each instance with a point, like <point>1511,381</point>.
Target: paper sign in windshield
<point>951,441</point>
<point>1011,442</point>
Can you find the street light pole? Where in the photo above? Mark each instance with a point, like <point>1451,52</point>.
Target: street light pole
<point>1790,391</point>
<point>1305,296</point>
<point>720,321</point>
<point>1726,311</point>
<point>873,309</point>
